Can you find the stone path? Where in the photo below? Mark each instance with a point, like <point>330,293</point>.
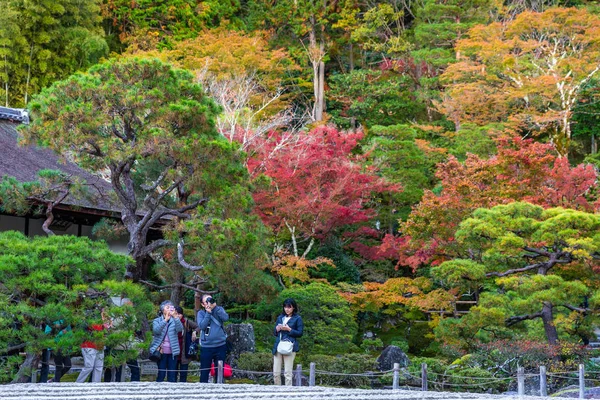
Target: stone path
<point>197,391</point>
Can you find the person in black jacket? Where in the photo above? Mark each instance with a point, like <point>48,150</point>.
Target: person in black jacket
<point>289,326</point>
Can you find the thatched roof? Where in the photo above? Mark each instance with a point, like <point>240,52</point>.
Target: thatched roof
<point>24,162</point>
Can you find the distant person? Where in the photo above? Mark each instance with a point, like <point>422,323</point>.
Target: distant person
<point>186,337</point>
<point>213,347</point>
<point>165,328</point>
<point>93,353</point>
<point>132,363</point>
<point>62,362</point>
<point>289,326</point>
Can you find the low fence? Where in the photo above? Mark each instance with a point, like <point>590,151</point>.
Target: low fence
<point>426,381</point>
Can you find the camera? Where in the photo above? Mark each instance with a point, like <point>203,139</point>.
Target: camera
<point>210,300</point>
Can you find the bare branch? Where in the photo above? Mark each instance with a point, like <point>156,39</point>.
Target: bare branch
<point>516,270</point>
<point>157,244</point>
<point>183,263</point>
<point>177,284</point>
<point>518,318</point>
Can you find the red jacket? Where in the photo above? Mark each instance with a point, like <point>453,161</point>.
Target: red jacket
<point>91,345</point>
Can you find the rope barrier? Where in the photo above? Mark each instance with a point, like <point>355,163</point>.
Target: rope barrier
<point>365,374</point>
<point>433,377</point>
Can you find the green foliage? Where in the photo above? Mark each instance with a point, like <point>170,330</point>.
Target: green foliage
<point>394,151</point>
<point>44,41</point>
<point>329,327</point>
<point>259,362</point>
<point>66,279</point>
<point>372,97</point>
<point>402,344</point>
<point>148,23</point>
<point>343,364</point>
<point>50,188</point>
<point>502,242</point>
<point>370,346</point>
<point>345,269</point>
<point>232,247</point>
<point>263,334</point>
<point>473,139</point>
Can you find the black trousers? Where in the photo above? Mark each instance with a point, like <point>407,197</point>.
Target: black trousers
<point>63,365</point>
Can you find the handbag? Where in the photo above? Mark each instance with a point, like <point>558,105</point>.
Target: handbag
<point>157,354</point>
<point>192,352</point>
<point>285,347</point>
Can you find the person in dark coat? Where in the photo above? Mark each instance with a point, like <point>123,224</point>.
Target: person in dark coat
<point>289,326</point>
<point>186,337</point>
<point>213,347</point>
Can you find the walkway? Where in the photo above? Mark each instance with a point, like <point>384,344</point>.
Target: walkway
<point>196,391</point>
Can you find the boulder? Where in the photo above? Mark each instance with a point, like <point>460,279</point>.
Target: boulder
<point>391,355</point>
<point>240,339</point>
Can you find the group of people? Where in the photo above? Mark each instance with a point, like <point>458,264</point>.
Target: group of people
<point>173,337</point>
<point>169,325</point>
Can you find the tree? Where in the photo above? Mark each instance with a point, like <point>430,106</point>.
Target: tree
<point>534,263</point>
<point>522,170</point>
<point>46,279</point>
<point>152,129</point>
<point>306,24</point>
<point>372,97</point>
<point>315,187</point>
<point>532,69</point>
<point>244,76</point>
<point>144,24</point>
<point>44,41</point>
<point>51,189</point>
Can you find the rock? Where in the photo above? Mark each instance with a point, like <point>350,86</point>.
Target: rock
<point>391,355</point>
<point>240,339</point>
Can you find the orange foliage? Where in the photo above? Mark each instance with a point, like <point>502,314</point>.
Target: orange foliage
<point>523,170</point>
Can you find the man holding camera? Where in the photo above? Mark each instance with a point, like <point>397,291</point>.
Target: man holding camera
<point>213,347</point>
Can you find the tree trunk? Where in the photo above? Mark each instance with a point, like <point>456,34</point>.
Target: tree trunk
<point>549,327</point>
<point>140,270</point>
<point>316,53</point>
<point>28,368</point>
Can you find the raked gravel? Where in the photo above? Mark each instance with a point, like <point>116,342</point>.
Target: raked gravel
<point>209,391</point>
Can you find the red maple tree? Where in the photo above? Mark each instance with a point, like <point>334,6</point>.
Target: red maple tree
<point>522,170</point>
<point>316,185</point>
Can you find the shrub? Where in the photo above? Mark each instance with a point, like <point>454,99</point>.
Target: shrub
<point>401,343</point>
<point>258,362</point>
<point>329,326</point>
<point>345,364</point>
<point>371,345</point>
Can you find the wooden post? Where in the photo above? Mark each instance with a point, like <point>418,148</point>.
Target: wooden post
<point>396,380</point>
<point>299,375</point>
<point>521,381</point>
<point>311,377</point>
<point>543,384</point>
<point>424,377</point>
<point>581,380</point>
<point>220,372</point>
